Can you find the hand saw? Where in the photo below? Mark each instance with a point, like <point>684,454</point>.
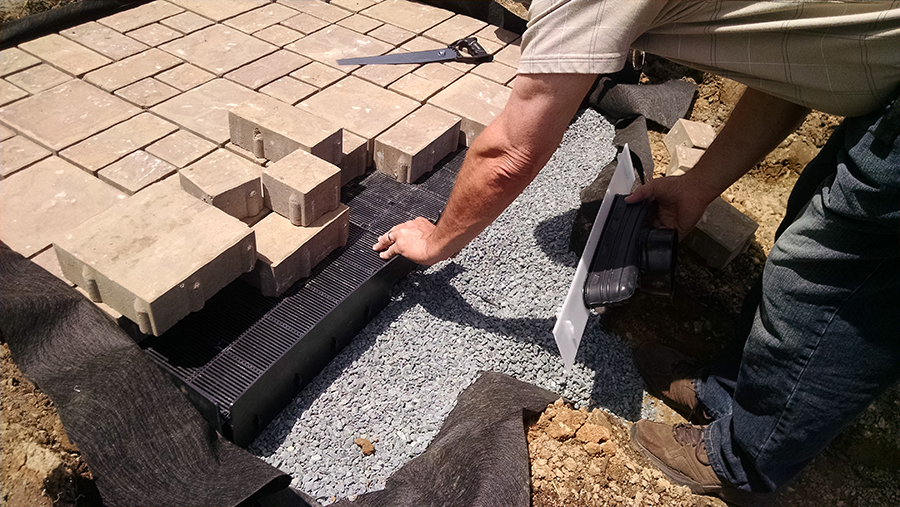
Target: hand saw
<point>464,50</point>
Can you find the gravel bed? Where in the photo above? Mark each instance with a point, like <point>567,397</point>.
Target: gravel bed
<point>491,308</point>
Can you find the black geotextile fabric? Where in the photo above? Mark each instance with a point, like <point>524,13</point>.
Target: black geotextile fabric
<point>479,457</point>
<point>663,104</point>
<point>144,442</point>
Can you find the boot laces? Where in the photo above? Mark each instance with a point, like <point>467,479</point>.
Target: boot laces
<point>689,434</point>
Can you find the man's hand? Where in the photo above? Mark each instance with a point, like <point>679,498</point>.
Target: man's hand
<point>680,206</point>
<point>409,239</point>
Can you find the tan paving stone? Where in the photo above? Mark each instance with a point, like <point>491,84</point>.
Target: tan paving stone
<point>10,93</point>
<point>277,129</point>
<point>218,49</point>
<point>46,201</point>
<point>157,256</point>
<point>132,69</point>
<point>39,78</point>
<point>14,60</point>
<point>415,87</point>
<point>237,150</point>
<point>476,100</point>
<point>353,5</point>
<point>509,55</point>
<point>410,148</point>
<point>336,42</point>
<point>318,75</point>
<point>305,24</point>
<point>147,92</point>
<point>360,107</point>
<point>260,18</point>
<point>137,17</point>
<point>455,28</point>
<point>181,148</point>
<point>722,234</point>
<point>5,133</point>
<point>318,9</point>
<point>383,75</point>
<point>425,44</point>
<point>136,171</point>
<point>278,35</point>
<point>187,22</point>
<point>18,153</point>
<point>287,253</point>
<point>185,76</point>
<point>66,114</point>
<point>360,23</point>
<point>267,69</point>
<point>410,16</point>
<point>495,71</point>
<point>219,10</point>
<point>356,155</point>
<point>302,187</point>
<point>110,145</point>
<point>65,54</point>
<point>391,34</point>
<point>155,34</point>
<point>47,260</point>
<point>104,40</point>
<point>288,90</point>
<point>226,181</point>
<point>204,110</point>
<point>497,34</point>
<point>439,74</point>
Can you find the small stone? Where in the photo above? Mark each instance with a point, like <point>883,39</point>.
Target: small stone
<point>608,448</point>
<point>365,446</point>
<point>592,433</point>
<point>592,448</point>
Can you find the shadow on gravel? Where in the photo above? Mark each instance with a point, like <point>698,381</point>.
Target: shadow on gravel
<point>552,236</point>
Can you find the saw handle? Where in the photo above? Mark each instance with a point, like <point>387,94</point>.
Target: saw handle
<point>470,51</point>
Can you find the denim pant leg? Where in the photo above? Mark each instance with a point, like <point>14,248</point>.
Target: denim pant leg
<point>823,342</point>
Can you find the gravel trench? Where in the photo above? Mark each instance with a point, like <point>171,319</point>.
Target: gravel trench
<point>490,308</point>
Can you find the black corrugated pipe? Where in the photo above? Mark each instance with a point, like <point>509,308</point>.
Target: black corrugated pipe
<point>54,20</point>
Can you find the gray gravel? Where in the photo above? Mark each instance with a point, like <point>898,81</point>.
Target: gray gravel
<point>491,308</point>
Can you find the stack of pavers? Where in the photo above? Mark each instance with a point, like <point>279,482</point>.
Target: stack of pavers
<point>117,144</point>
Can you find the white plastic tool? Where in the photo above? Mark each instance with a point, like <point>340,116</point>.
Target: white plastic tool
<point>573,315</point>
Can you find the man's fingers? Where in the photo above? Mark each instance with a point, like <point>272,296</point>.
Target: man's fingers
<point>640,193</point>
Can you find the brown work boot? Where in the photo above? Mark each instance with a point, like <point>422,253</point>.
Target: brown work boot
<point>680,453</point>
<point>669,375</point>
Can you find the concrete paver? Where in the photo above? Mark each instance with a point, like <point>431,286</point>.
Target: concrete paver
<point>157,256</point>
<point>509,55</point>
<point>495,71</point>
<point>185,76</point>
<point>278,35</point>
<point>218,49</point>
<point>287,253</point>
<point>384,75</point>
<point>18,153</point>
<point>415,87</point>
<point>336,42</point>
<point>204,110</point>
<point>424,44</point>
<point>248,155</point>
<point>218,11</point>
<point>132,69</point>
<point>14,60</point>
<point>154,34</point>
<point>288,90</point>
<point>5,133</point>
<point>66,114</point>
<point>416,143</point>
<point>38,78</point>
<point>354,5</point>
<point>260,18</point>
<point>147,92</point>
<point>10,93</point>
<point>360,23</point>
<point>267,69</point>
<point>110,145</point>
<point>497,34</point>
<point>683,159</point>
<point>476,100</point>
<point>135,171</point>
<point>693,134</point>
<point>301,187</point>
<point>187,22</point>
<point>439,74</point>
<point>360,107</point>
<point>47,260</point>
<point>137,17</point>
<point>356,155</point>
<point>391,34</point>
<point>305,24</point>
<point>65,54</point>
<point>722,234</point>
<point>271,129</point>
<point>104,40</point>
<point>318,75</point>
<point>40,204</point>
<point>181,148</point>
<point>226,181</point>
<point>455,28</point>
<point>320,10</point>
<point>414,17</point>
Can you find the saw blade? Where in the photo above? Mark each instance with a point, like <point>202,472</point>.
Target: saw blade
<point>432,55</point>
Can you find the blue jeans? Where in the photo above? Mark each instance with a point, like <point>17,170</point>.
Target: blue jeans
<point>824,338</point>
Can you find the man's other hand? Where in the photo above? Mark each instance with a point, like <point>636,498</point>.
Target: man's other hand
<point>680,206</point>
<point>409,239</point>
